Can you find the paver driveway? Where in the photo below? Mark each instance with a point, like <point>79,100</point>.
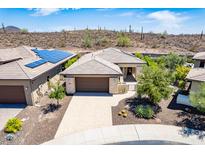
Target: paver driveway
<point>88,111</point>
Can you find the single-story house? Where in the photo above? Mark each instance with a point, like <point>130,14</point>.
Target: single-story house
<point>25,73</point>
<point>102,71</point>
<point>197,74</point>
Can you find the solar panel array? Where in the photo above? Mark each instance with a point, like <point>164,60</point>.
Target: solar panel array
<point>36,63</point>
<point>52,56</point>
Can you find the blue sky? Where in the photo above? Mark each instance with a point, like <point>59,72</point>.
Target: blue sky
<point>175,21</point>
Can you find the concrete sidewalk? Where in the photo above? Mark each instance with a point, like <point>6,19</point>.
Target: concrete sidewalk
<point>125,133</point>
<point>88,111</point>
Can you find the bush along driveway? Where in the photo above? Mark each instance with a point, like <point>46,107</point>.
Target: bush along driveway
<point>40,122</point>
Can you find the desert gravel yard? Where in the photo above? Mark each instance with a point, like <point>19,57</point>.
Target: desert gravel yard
<point>40,122</point>
<point>169,114</point>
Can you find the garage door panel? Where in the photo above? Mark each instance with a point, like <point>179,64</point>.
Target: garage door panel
<point>12,94</point>
<point>86,84</point>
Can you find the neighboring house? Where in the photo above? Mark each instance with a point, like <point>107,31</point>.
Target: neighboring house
<point>25,72</point>
<point>102,71</point>
<point>195,76</point>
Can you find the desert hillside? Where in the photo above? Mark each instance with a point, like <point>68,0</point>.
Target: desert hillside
<point>101,39</point>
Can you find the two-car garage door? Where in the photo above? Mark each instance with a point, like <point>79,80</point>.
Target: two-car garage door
<point>92,84</point>
<point>12,94</point>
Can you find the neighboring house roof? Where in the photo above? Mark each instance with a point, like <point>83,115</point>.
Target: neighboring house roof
<point>199,56</point>
<point>118,57</point>
<point>17,69</point>
<point>90,64</point>
<point>196,74</point>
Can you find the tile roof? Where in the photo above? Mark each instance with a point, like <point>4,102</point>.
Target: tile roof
<point>118,57</point>
<point>199,56</point>
<point>102,62</point>
<point>196,74</point>
<point>92,65</point>
<point>17,68</point>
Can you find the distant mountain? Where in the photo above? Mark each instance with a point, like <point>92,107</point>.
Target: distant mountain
<point>11,29</point>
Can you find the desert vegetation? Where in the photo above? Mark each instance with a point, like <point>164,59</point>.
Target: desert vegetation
<point>98,39</point>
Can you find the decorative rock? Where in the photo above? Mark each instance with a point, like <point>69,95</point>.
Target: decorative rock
<point>123,111</point>
<point>24,119</point>
<point>125,115</point>
<point>126,107</point>
<point>120,113</point>
<point>9,137</point>
<point>158,120</point>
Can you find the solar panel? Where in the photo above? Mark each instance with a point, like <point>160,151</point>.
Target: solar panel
<point>52,56</point>
<point>36,63</point>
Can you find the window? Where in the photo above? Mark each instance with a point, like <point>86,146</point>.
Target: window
<point>201,64</point>
<point>48,78</point>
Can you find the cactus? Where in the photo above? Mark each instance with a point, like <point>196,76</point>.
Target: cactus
<point>142,34</point>
<point>201,36</point>
<point>130,29</point>
<point>4,30</point>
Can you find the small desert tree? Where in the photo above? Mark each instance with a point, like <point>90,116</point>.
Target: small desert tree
<point>154,83</point>
<point>123,40</point>
<point>87,40</point>
<point>171,61</point>
<point>197,98</point>
<point>57,92</point>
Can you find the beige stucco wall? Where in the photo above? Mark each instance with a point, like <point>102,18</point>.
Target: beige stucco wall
<point>24,83</point>
<point>113,82</point>
<point>70,85</point>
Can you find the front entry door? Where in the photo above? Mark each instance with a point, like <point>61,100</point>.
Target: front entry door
<point>129,71</point>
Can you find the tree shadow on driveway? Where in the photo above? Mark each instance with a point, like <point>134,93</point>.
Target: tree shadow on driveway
<point>52,107</point>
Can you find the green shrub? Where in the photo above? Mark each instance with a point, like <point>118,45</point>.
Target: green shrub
<point>71,61</point>
<point>181,84</point>
<point>197,98</point>
<point>181,72</point>
<point>123,40</point>
<point>13,125</point>
<point>102,41</point>
<point>139,55</point>
<point>144,111</point>
<point>87,41</point>
<point>24,31</point>
<point>171,61</point>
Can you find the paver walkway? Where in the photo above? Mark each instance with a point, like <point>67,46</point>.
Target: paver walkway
<point>139,133</point>
<point>89,111</point>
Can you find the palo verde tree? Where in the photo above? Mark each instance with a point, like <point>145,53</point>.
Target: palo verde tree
<point>57,92</point>
<point>197,98</point>
<point>153,82</point>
